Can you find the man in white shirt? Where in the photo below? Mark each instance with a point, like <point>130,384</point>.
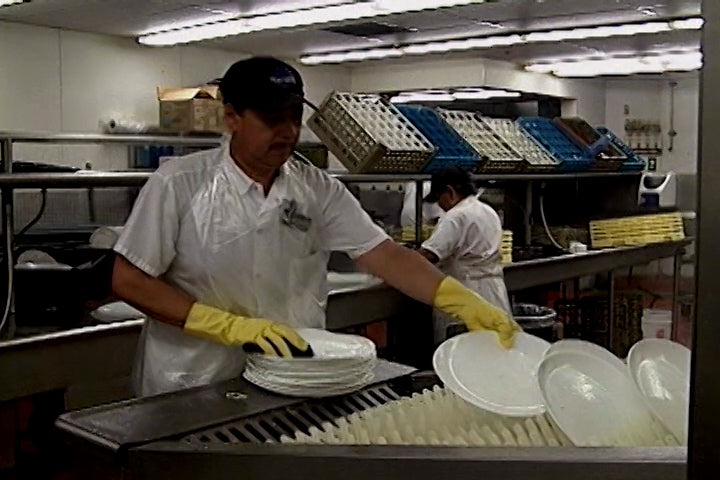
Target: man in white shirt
<point>229,247</point>
<point>466,241</point>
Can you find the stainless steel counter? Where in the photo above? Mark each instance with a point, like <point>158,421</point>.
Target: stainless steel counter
<point>58,360</point>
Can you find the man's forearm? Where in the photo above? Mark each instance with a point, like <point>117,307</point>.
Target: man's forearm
<point>151,295</point>
<point>404,269</point>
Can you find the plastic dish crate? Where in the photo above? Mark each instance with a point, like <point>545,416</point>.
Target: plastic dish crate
<point>369,135</point>
<point>607,158</point>
<point>633,162</point>
<point>450,148</point>
<point>497,156</point>
<point>637,230</point>
<point>535,156</point>
<point>547,134</point>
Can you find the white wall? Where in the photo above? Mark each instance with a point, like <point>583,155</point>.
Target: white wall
<point>63,81</point>
<point>650,99</point>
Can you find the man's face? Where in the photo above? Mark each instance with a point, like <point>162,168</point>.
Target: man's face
<point>266,138</point>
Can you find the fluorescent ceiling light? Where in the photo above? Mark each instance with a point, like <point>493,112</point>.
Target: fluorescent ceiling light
<point>558,35</point>
<point>7,3</point>
<point>442,96</point>
<point>311,14</point>
<point>627,65</point>
<point>484,94</point>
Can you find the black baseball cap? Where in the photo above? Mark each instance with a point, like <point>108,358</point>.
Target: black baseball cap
<point>454,177</point>
<point>262,83</point>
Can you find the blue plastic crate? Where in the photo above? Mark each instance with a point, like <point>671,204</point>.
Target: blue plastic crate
<point>634,162</point>
<point>564,150</point>
<point>450,148</point>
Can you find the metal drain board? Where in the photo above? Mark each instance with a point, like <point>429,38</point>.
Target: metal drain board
<point>270,426</point>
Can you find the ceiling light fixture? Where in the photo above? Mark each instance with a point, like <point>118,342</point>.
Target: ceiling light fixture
<point>558,35</point>
<point>7,3</point>
<point>446,96</point>
<point>301,17</point>
<point>657,62</point>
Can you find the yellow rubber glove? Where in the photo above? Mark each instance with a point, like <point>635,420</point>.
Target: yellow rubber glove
<point>453,298</point>
<point>230,329</point>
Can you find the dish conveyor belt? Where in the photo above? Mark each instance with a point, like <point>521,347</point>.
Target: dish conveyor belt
<point>233,428</point>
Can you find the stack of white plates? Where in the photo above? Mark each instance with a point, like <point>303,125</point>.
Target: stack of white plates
<point>342,364</point>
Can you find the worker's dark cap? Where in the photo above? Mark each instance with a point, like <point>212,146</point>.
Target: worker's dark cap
<point>262,83</point>
<point>454,177</point>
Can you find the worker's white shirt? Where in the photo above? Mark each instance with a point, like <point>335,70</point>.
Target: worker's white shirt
<point>467,241</point>
<point>205,227</point>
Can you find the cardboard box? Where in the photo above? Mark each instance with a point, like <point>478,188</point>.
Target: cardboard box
<point>196,109</point>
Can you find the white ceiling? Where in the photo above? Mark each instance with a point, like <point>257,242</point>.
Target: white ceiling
<point>133,17</point>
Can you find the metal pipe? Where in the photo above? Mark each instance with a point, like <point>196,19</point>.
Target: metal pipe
<point>418,211</point>
<point>677,265</point>
<point>528,213</point>
<point>611,309</point>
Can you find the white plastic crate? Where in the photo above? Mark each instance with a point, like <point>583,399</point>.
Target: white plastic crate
<point>369,135</point>
<point>525,146</point>
<point>484,140</point>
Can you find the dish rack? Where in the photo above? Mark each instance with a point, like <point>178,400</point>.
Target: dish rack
<point>633,162</point>
<point>637,230</point>
<point>438,417</point>
<point>536,158</point>
<point>547,134</point>
<point>608,158</point>
<point>450,148</point>
<point>433,417</point>
<point>497,156</point>
<point>369,135</point>
<point>506,247</point>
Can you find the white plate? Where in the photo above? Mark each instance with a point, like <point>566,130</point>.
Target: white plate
<point>327,379</point>
<point>575,345</point>
<point>116,311</point>
<point>595,405</point>
<point>329,348</point>
<point>661,370</point>
<point>477,369</point>
<point>330,376</point>
<point>308,365</point>
<point>314,392</point>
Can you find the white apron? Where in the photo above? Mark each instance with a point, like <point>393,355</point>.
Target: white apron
<point>485,277</point>
<point>258,263</point>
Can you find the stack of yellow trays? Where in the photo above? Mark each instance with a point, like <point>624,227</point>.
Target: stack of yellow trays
<point>407,234</point>
<point>506,247</point>
<point>639,230</point>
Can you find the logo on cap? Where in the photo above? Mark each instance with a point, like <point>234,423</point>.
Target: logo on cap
<point>282,77</point>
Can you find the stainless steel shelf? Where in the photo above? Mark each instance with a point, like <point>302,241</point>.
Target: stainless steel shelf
<point>407,177</point>
<point>73,180</point>
<point>534,273</point>
<point>134,139</point>
<point>125,179</point>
